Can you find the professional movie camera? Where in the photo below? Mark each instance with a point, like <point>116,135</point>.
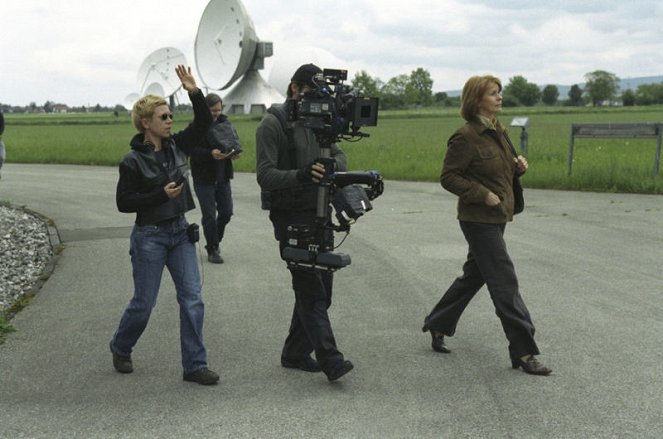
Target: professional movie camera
<point>334,112</point>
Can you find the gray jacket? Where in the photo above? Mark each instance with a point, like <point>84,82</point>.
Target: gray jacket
<point>274,171</point>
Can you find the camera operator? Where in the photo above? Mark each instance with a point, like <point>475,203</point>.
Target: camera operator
<point>287,169</point>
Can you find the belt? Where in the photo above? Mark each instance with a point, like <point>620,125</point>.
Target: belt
<point>164,223</point>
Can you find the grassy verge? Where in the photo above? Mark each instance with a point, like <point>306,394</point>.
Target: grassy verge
<point>5,328</point>
<point>407,145</point>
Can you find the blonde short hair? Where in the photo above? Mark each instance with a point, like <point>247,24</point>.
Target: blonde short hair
<point>472,94</point>
<point>144,108</point>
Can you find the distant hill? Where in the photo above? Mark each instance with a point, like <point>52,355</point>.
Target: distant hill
<point>624,84</point>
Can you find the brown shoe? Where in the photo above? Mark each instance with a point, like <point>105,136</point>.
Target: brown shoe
<point>438,344</point>
<point>532,366</point>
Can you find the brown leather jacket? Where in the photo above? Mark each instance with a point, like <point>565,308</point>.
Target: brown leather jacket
<point>479,160</point>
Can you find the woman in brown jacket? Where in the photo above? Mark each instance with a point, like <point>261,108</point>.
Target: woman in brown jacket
<point>479,167</point>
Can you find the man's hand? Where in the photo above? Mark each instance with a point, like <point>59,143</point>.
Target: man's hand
<point>314,172</point>
<point>186,77</point>
<point>218,155</point>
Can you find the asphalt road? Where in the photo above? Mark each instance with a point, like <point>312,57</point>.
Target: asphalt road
<point>590,271</point>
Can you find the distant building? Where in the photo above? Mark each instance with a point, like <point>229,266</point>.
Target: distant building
<point>60,108</point>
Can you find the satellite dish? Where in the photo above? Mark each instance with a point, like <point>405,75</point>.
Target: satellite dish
<point>226,49</point>
<point>155,89</point>
<point>225,43</point>
<point>158,69</point>
<point>130,100</point>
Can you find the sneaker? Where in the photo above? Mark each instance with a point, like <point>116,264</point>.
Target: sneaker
<point>340,370</point>
<point>121,363</point>
<point>306,364</point>
<point>214,257</point>
<point>202,376</point>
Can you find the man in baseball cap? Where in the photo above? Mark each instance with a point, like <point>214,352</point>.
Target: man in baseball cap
<point>304,75</point>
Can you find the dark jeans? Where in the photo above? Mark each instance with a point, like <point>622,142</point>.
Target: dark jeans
<point>216,204</point>
<point>487,263</point>
<point>310,328</point>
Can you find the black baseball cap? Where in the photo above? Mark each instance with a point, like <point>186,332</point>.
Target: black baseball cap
<point>305,74</point>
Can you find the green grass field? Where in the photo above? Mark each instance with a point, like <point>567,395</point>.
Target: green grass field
<point>406,145</point>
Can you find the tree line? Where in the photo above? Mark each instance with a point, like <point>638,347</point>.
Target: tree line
<point>52,107</point>
<point>416,90</point>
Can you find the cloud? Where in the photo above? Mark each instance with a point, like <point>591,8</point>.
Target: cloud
<point>90,50</point>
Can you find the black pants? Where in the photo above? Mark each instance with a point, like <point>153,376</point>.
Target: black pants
<point>487,263</point>
<point>310,328</point>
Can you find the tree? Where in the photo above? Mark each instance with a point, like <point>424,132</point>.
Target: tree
<point>601,86</point>
<point>550,94</point>
<point>366,85</point>
<point>524,92</point>
<point>443,99</point>
<point>393,92</point>
<point>440,96</point>
<point>419,89</point>
<point>628,98</point>
<point>575,95</point>
<point>649,94</point>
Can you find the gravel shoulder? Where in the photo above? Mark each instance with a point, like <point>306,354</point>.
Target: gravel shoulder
<point>26,250</point>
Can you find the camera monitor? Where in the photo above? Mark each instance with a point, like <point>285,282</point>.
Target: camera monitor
<point>365,111</point>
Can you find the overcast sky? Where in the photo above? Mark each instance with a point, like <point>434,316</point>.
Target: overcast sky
<point>84,52</point>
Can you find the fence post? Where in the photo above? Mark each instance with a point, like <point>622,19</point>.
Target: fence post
<point>657,161</point>
<point>573,128</point>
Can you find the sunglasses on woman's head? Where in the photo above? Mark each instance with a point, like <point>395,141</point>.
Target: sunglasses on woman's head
<point>166,116</point>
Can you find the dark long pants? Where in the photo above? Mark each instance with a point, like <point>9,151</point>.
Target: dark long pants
<point>487,263</point>
<point>216,205</point>
<point>310,327</point>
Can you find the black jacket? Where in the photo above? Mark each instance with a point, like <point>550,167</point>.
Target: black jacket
<point>142,178</point>
<point>205,168</point>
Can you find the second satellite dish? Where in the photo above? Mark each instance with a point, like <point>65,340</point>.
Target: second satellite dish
<point>157,73</point>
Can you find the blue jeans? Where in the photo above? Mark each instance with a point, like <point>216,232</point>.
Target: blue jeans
<point>216,204</point>
<point>152,249</point>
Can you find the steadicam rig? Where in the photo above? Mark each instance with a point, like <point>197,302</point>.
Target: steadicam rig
<point>334,112</point>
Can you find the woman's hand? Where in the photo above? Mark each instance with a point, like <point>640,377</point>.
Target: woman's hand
<point>521,164</point>
<point>172,190</point>
<point>491,199</point>
<point>186,77</point>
